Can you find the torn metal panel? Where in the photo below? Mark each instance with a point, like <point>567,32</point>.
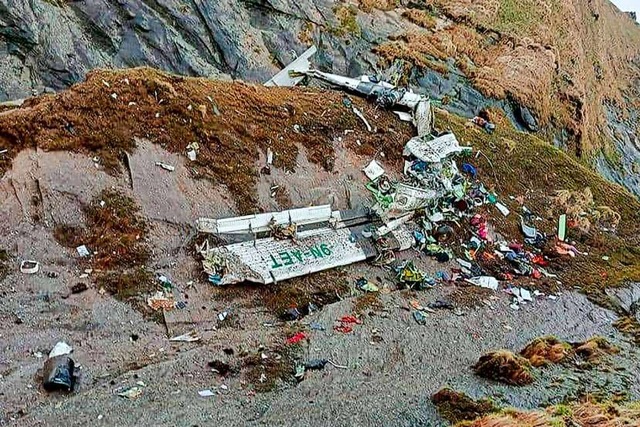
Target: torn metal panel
<point>433,151</point>
<point>260,223</point>
<point>269,260</point>
<point>283,78</point>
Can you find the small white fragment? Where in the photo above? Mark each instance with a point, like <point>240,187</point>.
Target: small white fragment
<point>166,166</point>
<point>206,393</point>
<point>83,251</point>
<point>60,349</point>
<point>29,267</point>
<point>373,171</point>
<point>488,282</point>
<point>503,209</point>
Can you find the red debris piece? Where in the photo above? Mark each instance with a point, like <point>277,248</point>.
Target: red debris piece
<point>351,319</point>
<point>539,260</point>
<point>297,338</point>
<point>345,324</point>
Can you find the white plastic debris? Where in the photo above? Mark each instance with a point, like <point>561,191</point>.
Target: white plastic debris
<point>192,155</point>
<point>206,393</point>
<point>464,263</point>
<point>188,337</point>
<point>60,349</point>
<point>528,231</point>
<point>166,166</point>
<point>83,251</point>
<point>525,295</point>
<point>269,156</point>
<point>363,118</point>
<point>488,282</point>
<point>403,115</point>
<point>29,267</point>
<point>503,209</point>
<point>131,393</point>
<point>373,171</point>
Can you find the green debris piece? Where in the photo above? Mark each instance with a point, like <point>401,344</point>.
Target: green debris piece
<point>562,227</point>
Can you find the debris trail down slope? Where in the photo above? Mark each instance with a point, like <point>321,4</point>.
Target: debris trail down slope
<point>232,123</point>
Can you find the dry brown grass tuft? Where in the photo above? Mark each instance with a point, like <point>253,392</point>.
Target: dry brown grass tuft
<point>456,407</point>
<point>512,419</point>
<point>594,349</point>
<point>368,303</point>
<point>370,5</point>
<point>420,17</point>
<point>544,350</point>
<point>585,413</point>
<point>605,414</point>
<point>504,366</point>
<point>128,284</point>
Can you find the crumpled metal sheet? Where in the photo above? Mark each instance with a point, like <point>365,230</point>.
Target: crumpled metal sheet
<point>433,151</point>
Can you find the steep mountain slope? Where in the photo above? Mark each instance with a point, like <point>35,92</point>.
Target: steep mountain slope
<point>566,67</point>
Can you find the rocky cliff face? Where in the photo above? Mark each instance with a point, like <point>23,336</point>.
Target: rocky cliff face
<point>564,68</point>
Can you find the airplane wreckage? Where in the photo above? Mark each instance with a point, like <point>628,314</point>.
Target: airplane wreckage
<point>277,246</point>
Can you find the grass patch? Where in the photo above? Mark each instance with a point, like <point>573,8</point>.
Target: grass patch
<point>318,289</point>
<point>586,412</point>
<point>456,407</point>
<point>347,21</point>
<point>420,17</point>
<point>114,232</point>
<point>630,326</point>
<point>594,349</point>
<point>518,16</point>
<point>368,303</point>
<point>370,5</point>
<point>128,284</point>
